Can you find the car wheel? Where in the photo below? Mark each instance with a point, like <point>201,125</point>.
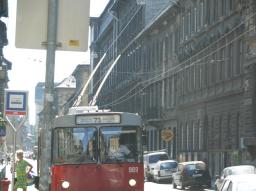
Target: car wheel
<point>174,185</point>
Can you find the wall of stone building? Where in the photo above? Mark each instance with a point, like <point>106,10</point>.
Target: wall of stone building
<point>210,131</point>
<point>248,103</point>
<point>216,106</point>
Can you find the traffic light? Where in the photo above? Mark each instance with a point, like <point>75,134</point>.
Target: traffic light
<point>3,8</point>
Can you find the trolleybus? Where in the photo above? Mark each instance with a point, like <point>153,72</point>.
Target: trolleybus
<point>97,151</point>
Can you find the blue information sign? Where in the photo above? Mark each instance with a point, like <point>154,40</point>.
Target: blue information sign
<point>16,102</point>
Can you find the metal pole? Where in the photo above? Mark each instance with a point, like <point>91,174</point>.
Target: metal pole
<point>14,152</point>
<point>49,95</point>
<point>14,146</point>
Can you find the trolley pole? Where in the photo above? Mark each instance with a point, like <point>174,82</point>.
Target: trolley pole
<point>48,96</point>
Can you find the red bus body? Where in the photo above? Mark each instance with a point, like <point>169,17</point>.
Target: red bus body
<point>102,177</point>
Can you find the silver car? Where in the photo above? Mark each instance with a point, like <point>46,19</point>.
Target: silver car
<point>242,182</point>
<point>233,170</point>
<point>150,161</point>
<point>164,169</point>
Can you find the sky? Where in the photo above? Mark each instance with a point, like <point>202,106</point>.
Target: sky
<point>28,65</point>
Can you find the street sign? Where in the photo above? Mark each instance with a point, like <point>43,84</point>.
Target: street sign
<point>72,28</point>
<point>16,103</point>
<point>167,135</point>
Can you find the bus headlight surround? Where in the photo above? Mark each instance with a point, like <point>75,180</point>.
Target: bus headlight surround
<point>132,182</point>
<point>65,184</point>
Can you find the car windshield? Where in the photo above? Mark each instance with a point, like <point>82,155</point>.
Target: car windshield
<point>197,166</point>
<point>239,170</point>
<point>158,157</point>
<point>168,165</point>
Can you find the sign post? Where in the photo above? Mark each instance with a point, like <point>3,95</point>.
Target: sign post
<point>15,105</point>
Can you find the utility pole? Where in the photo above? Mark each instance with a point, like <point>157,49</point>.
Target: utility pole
<point>49,95</point>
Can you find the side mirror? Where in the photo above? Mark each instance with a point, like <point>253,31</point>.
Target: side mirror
<point>144,140</point>
<point>144,137</point>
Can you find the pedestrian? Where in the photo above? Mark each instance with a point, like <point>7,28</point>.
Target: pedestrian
<point>23,168</point>
<point>8,159</point>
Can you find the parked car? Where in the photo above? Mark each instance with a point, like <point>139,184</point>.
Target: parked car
<point>242,182</point>
<point>164,169</point>
<point>233,170</point>
<point>150,160</point>
<point>192,173</point>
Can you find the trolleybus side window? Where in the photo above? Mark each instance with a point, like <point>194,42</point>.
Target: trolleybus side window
<point>73,145</point>
<point>118,144</point>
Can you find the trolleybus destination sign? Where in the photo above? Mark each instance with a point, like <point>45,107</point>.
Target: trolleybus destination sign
<point>16,102</point>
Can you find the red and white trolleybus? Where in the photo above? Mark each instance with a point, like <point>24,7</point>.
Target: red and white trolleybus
<point>97,151</point>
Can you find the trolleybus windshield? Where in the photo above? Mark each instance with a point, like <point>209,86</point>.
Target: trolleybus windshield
<point>118,144</point>
<point>108,144</point>
<point>75,145</point>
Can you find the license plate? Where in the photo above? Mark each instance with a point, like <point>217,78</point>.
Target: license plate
<point>197,175</point>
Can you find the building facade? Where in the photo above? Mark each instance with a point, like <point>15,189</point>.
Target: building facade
<point>187,66</point>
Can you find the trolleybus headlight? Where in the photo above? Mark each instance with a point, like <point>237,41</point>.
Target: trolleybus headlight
<point>132,182</point>
<point>65,184</point>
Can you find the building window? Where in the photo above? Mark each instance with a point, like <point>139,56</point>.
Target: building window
<point>187,136</point>
<point>194,136</point>
<point>189,23</point>
<point>172,91</point>
<point>238,60</point>
<point>200,135</point>
<point>183,29</point>
<point>182,137</point>
<point>201,14</point>
<point>215,10</point>
<point>222,61</point>
<point>223,10</point>
<point>195,19</point>
<point>214,68</point>
<point>193,77</point>
<point>237,129</point>
<point>229,61</point>
<point>166,52</point>
<point>167,92</point>
<point>200,67</point>
<point>220,131</point>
